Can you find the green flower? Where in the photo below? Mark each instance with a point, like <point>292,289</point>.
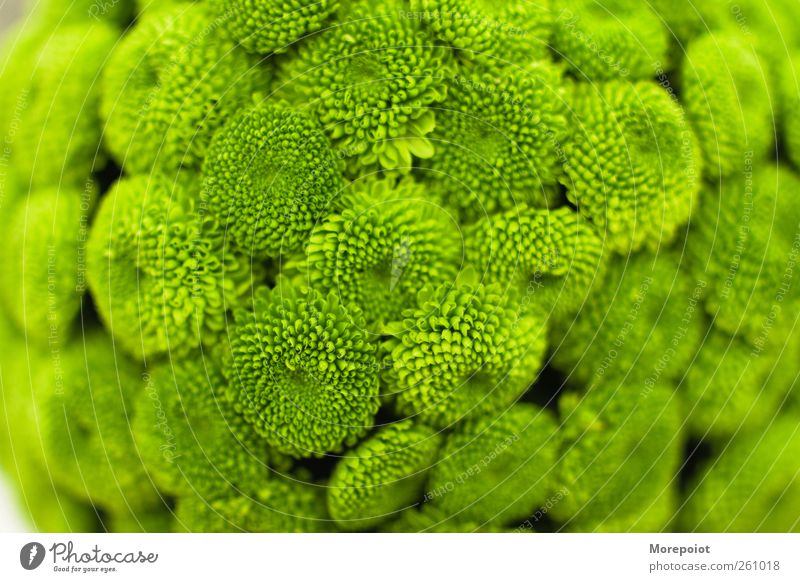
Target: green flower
<point>388,241</point>
<point>497,469</point>
<point>550,258</point>
<point>751,486</point>
<point>373,81</point>
<point>302,372</point>
<point>191,439</point>
<point>43,262</point>
<point>640,325</point>
<point>462,351</point>
<point>498,138</point>
<point>726,93</point>
<point>745,241</point>
<point>382,476</point>
<point>516,30</point>
<point>169,85</point>
<point>609,39</point>
<point>270,176</point>
<point>58,126</point>
<point>620,455</point>
<point>84,400</point>
<point>631,163</point>
<point>284,505</point>
<point>272,26</point>
<point>159,268</point>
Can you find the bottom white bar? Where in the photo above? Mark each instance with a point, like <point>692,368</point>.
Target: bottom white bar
<point>400,557</point>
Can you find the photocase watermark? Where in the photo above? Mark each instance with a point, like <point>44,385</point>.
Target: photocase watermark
<point>31,555</point>
<point>169,446</point>
<point>100,9</point>
<point>551,502</point>
<point>569,21</point>
<point>472,470</point>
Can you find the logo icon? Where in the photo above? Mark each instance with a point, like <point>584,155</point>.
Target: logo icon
<point>31,555</point>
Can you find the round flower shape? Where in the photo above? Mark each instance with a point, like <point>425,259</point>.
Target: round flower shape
<point>509,31</point>
<point>159,269</point>
<point>631,163</point>
<point>744,242</point>
<point>609,39</point>
<point>462,351</point>
<point>169,85</point>
<point>751,486</point>
<point>59,129</point>
<point>387,242</point>
<point>550,258</point>
<point>641,325</point>
<point>303,372</point>
<point>191,439</point>
<point>42,263</point>
<point>497,469</point>
<point>619,458</point>
<point>498,138</point>
<point>272,26</point>
<point>270,175</point>
<point>382,476</point>
<point>726,388</point>
<point>85,409</point>
<point>373,81</point>
<point>727,97</point>
<point>281,505</point>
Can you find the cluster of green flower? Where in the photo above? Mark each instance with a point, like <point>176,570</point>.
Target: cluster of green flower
<point>407,265</point>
